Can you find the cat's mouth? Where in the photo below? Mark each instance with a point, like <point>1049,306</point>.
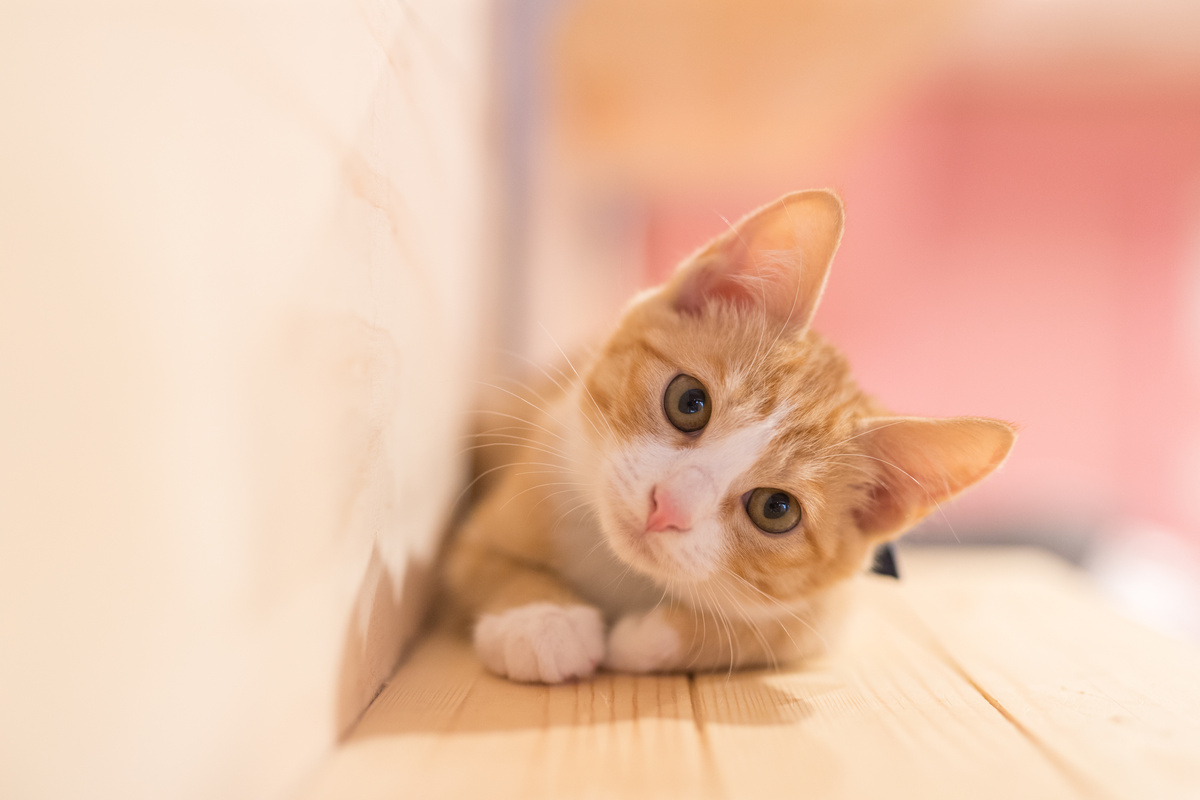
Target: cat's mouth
<point>670,555</point>
<point>636,547</point>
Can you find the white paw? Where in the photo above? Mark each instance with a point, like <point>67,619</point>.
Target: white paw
<point>541,642</point>
<point>642,643</point>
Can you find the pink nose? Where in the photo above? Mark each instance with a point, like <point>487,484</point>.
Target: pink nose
<point>666,513</point>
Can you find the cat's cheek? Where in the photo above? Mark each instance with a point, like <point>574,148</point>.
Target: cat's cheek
<point>643,643</point>
<point>541,642</point>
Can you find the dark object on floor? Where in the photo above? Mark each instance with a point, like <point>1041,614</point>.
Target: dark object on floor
<point>885,561</point>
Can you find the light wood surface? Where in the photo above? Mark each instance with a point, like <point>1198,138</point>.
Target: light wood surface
<point>982,674</point>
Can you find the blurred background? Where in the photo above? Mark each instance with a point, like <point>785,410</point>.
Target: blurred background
<point>255,258</point>
<point>1022,189</point>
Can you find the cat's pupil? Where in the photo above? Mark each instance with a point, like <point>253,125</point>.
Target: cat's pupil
<point>692,401</point>
<point>773,510</point>
<point>776,506</point>
<point>687,404</point>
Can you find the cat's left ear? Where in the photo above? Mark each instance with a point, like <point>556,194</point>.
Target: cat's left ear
<point>775,259</point>
<point>919,463</point>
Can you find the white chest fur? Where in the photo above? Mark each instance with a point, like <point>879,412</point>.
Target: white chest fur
<point>587,562</point>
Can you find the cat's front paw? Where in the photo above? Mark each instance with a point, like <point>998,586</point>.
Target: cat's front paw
<point>643,643</point>
<point>541,642</point>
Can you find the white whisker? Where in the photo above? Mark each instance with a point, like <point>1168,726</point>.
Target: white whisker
<point>749,621</point>
<point>583,385</point>
<point>538,486</point>
<point>524,400</point>
<point>519,419</point>
<point>519,446</point>
<point>790,612</point>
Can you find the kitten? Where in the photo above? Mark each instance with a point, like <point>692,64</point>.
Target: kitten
<point>695,495</point>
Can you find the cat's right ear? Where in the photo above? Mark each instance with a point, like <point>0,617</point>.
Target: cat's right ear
<point>775,259</point>
<point>920,463</point>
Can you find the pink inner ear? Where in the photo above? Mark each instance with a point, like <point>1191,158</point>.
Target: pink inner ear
<point>776,260</point>
<point>753,278</point>
<point>925,462</point>
<point>711,283</point>
<point>696,292</point>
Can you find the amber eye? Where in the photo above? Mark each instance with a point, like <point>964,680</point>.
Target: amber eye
<point>773,510</point>
<point>686,404</point>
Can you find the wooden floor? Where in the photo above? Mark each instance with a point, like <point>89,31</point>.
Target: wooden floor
<point>981,674</point>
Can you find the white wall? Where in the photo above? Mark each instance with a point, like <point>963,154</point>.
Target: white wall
<point>242,250</point>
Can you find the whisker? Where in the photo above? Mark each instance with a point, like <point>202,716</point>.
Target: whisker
<point>620,578</point>
<point>476,480</point>
<point>791,613</point>
<point>519,419</point>
<point>549,496</point>
<point>539,367</point>
<point>720,624</point>
<point>524,400</point>
<point>527,388</point>
<point>734,649</point>
<point>550,472</point>
<point>666,588</point>
<point>864,433</point>
<point>551,465</point>
<point>517,445</point>
<point>583,384</point>
<point>555,470</point>
<point>749,621</point>
<point>534,487</point>
<point>586,506</point>
<point>500,433</point>
<point>704,622</point>
<point>554,494</point>
<point>600,542</point>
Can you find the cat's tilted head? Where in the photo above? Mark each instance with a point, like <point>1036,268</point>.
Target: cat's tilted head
<point>730,442</point>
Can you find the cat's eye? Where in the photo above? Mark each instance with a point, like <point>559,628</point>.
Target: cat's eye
<point>687,404</point>
<point>773,510</point>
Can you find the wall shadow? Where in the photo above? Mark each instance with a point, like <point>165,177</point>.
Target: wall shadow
<point>393,615</point>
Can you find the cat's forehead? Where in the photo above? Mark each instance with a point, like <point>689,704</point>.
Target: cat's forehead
<point>794,389</point>
<point>753,369</point>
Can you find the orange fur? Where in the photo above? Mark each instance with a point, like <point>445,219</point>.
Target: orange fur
<point>576,466</point>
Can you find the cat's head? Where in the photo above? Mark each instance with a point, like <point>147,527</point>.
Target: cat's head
<point>731,440</point>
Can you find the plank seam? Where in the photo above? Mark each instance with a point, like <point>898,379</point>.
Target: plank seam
<point>702,733</point>
<point>1068,770</point>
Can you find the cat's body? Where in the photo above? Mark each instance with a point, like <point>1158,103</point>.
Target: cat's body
<point>696,495</point>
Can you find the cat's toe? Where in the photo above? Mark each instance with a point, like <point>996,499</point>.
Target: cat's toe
<point>541,642</point>
<point>643,643</point>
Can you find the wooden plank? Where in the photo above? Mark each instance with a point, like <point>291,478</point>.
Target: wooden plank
<point>979,675</point>
<point>445,728</point>
<point>884,716</point>
<point>1111,700</point>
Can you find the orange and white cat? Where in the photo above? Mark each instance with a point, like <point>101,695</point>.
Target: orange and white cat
<point>693,497</point>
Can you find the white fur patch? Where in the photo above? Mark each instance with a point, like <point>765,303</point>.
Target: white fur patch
<point>642,643</point>
<point>541,642</point>
<point>698,478</point>
<point>738,450</point>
